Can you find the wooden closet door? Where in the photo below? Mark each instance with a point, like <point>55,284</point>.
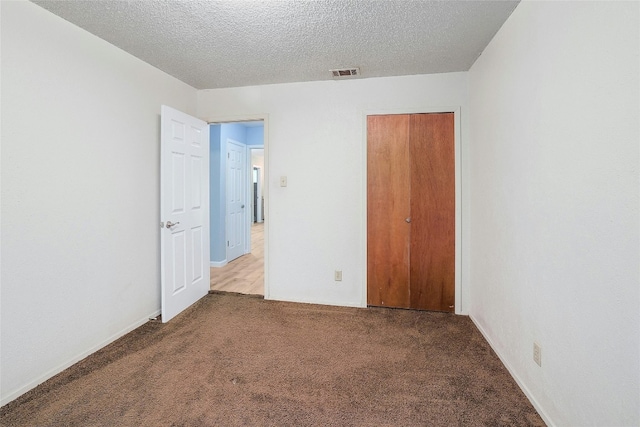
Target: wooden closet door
<point>432,259</point>
<point>388,206</point>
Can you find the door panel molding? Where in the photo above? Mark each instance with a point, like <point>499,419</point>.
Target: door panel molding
<point>236,199</point>
<point>458,193</point>
<point>184,211</point>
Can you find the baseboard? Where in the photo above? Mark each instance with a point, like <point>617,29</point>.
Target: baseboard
<point>316,302</point>
<point>32,384</point>
<point>520,383</point>
<point>218,264</point>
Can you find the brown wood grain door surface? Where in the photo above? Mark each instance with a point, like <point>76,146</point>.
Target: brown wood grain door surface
<point>411,211</point>
<point>388,204</point>
<point>432,212</point>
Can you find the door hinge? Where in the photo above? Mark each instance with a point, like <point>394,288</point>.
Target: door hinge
<point>227,243</point>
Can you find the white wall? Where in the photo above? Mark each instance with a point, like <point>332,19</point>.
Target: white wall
<point>554,206</point>
<point>316,138</point>
<point>80,192</point>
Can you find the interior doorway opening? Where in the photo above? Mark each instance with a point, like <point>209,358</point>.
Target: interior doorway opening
<point>256,198</point>
<point>238,208</point>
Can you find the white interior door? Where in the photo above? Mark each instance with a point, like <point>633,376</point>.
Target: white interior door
<point>184,210</point>
<point>236,200</point>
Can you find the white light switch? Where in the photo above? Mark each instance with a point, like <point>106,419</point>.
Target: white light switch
<point>283,181</point>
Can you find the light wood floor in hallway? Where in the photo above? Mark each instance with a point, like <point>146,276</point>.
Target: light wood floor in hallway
<point>244,275</point>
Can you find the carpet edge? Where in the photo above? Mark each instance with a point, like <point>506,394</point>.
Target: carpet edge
<point>515,377</point>
<point>55,371</point>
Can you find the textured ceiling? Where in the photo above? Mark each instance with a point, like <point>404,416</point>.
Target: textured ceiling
<point>212,44</point>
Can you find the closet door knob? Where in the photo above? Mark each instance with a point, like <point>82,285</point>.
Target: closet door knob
<point>407,220</point>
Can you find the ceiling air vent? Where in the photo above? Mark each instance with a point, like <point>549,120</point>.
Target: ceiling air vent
<point>345,73</point>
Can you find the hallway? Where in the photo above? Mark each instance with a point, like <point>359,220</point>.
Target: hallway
<point>244,275</point>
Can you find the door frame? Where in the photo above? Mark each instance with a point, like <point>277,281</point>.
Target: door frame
<point>458,193</point>
<point>266,215</point>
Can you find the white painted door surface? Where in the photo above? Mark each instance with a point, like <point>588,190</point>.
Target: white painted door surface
<point>236,200</point>
<point>184,210</point>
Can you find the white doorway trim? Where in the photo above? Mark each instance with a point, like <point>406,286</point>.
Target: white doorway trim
<point>458,195</point>
<point>266,213</point>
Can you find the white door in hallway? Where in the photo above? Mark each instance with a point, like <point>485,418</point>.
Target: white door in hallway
<point>236,200</point>
<point>184,211</point>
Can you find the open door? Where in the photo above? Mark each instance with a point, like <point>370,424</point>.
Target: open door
<point>184,210</point>
<point>237,223</point>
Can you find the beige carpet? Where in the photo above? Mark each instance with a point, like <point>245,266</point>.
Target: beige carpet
<point>233,360</point>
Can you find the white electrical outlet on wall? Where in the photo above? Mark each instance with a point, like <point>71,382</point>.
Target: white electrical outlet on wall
<point>537,354</point>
